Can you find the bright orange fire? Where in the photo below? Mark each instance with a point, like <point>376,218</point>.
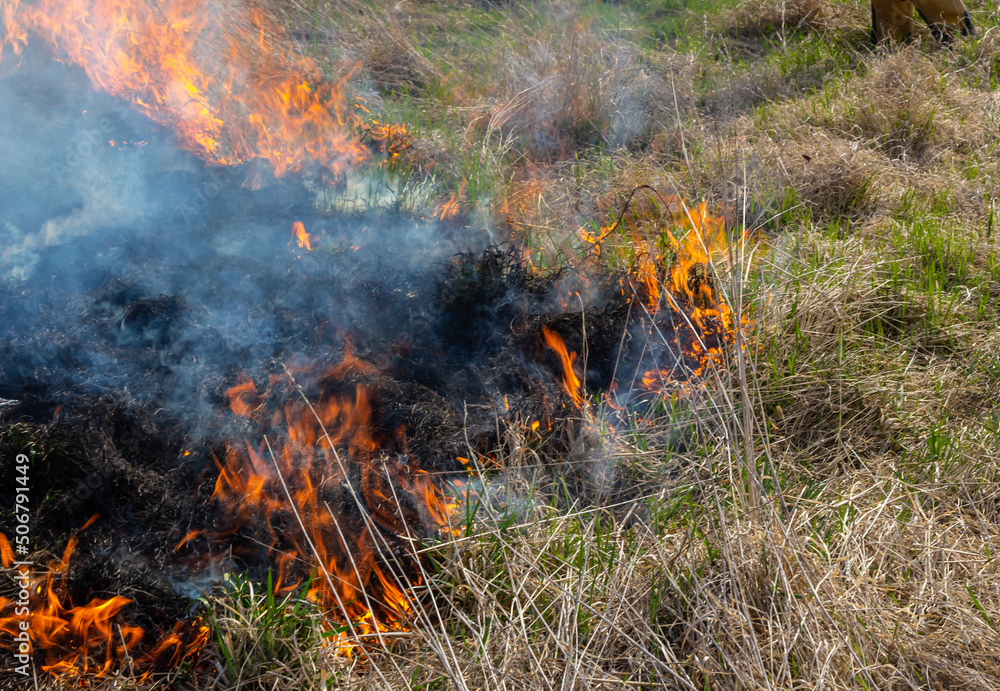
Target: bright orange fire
<point>681,277</point>
<point>226,79</point>
<point>6,553</point>
<point>450,208</point>
<point>330,498</point>
<point>571,383</point>
<point>300,236</point>
<point>674,282</point>
<point>78,641</point>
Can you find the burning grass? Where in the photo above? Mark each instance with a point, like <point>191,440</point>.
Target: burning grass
<point>704,465</point>
<point>333,497</point>
<point>223,78</point>
<point>86,641</point>
<point>340,502</point>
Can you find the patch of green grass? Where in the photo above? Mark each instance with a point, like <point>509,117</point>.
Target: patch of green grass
<point>259,634</point>
<point>675,21</point>
<point>866,386</point>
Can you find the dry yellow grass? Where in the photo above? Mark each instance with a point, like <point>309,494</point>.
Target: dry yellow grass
<point>826,513</point>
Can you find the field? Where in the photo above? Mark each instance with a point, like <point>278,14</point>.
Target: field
<point>816,510</point>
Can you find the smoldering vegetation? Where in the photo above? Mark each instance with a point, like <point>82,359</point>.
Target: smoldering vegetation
<point>820,511</point>
<point>139,286</point>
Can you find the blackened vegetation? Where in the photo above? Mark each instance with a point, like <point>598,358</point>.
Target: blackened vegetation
<point>474,337</point>
<point>479,294</point>
<point>493,309</point>
<point>148,321</point>
<point>131,309</point>
<point>92,456</point>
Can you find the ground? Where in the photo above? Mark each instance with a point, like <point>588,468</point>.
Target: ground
<point>822,511</point>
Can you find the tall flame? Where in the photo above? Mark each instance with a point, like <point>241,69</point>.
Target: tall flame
<point>325,494</point>
<point>77,641</point>
<point>301,236</point>
<point>571,382</point>
<point>225,78</point>
<point>680,280</point>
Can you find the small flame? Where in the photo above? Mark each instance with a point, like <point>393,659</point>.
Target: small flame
<point>450,208</point>
<point>571,383</point>
<point>300,235</point>
<point>6,553</point>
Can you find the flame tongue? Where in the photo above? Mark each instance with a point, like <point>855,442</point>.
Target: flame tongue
<point>228,83</point>
<point>674,283</point>
<point>339,501</point>
<point>571,382</point>
<point>85,640</point>
<point>301,236</point>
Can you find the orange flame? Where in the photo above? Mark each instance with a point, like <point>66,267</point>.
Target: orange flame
<point>6,553</point>
<point>450,208</point>
<point>571,383</point>
<point>300,235</point>
<point>690,276</point>
<point>226,81</point>
<point>682,278</point>
<point>329,490</point>
<point>78,641</point>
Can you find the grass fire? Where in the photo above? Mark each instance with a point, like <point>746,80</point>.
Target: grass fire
<point>484,345</point>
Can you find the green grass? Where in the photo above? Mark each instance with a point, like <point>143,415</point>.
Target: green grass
<point>260,636</point>
<point>824,509</point>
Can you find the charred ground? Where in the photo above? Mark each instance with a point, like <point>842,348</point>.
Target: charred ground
<point>821,510</point>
